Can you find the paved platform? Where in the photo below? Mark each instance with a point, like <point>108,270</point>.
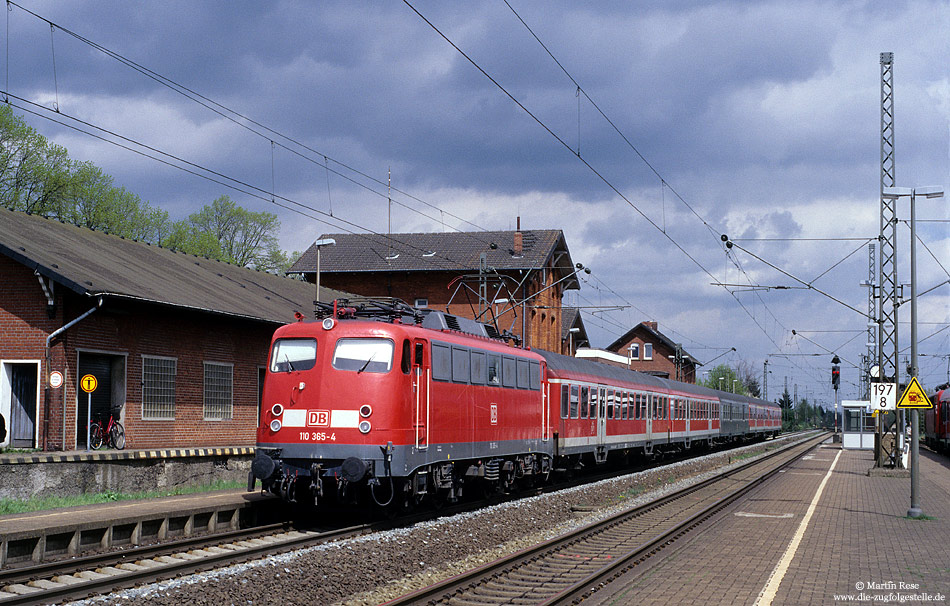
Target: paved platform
<point>822,532</point>
<point>35,535</point>
<point>79,456</point>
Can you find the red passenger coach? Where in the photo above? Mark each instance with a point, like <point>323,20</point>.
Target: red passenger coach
<point>391,404</point>
<point>937,421</point>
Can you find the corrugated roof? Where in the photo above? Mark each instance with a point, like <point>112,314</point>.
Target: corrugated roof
<point>437,251</point>
<point>95,263</point>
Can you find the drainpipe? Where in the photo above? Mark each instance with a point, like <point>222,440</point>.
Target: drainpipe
<point>46,397</point>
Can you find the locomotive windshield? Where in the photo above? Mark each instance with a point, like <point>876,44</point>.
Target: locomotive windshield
<point>363,355</point>
<point>293,354</point>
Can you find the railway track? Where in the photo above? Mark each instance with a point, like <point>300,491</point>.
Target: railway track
<point>568,568</point>
<point>102,573</point>
<point>106,572</point>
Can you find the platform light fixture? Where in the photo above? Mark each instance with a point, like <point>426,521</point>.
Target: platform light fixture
<point>319,244</point>
<point>893,193</point>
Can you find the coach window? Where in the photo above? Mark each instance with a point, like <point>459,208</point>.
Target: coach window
<point>610,404</point>
<point>363,355</point>
<point>574,390</point>
<point>479,372</point>
<point>494,369</point>
<point>293,354</point>
<point>624,403</point>
<point>565,400</point>
<point>508,374</point>
<point>584,403</point>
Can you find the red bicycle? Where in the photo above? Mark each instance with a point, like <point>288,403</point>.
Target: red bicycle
<point>108,432</point>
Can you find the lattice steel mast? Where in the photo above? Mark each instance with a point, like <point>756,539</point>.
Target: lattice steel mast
<point>887,352</point>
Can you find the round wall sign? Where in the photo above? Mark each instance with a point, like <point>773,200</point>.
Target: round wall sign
<point>55,379</point>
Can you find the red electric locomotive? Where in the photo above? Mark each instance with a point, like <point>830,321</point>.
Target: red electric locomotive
<point>421,404</point>
<point>393,404</point>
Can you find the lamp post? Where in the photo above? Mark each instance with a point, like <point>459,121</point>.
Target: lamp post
<point>734,385</point>
<point>892,193</point>
<point>319,244</point>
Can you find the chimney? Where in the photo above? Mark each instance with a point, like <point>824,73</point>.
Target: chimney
<point>519,240</point>
<point>650,324</point>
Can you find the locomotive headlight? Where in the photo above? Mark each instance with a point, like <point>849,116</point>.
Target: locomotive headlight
<point>365,427</point>
<point>328,323</point>
<point>277,409</point>
<point>366,410</point>
<point>275,425</point>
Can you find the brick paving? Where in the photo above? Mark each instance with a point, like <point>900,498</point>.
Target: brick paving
<point>859,534</point>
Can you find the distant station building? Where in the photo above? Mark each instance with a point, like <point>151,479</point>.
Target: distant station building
<point>178,343</point>
<point>515,279</point>
<point>645,349</point>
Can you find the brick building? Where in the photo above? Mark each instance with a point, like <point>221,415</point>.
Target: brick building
<point>178,343</point>
<point>648,350</point>
<point>523,273</point>
<point>573,331</point>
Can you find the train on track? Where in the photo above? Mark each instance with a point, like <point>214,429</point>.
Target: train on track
<point>937,420</point>
<point>381,402</point>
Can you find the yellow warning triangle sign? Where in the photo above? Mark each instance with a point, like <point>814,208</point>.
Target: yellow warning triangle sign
<point>914,397</point>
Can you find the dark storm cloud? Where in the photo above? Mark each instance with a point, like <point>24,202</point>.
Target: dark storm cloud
<point>763,116</point>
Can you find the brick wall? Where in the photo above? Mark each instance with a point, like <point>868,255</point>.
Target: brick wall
<point>130,331</point>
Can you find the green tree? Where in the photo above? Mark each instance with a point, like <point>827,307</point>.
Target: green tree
<point>37,176</point>
<point>785,402</point>
<point>227,232</point>
<point>730,378</point>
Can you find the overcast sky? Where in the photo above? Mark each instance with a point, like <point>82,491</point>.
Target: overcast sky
<point>764,117</point>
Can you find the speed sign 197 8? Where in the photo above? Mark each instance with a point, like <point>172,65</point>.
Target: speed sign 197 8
<point>883,396</point>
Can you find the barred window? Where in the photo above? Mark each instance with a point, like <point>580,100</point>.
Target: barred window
<point>218,387</point>
<point>158,388</point>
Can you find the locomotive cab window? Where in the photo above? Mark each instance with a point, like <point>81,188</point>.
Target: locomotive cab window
<point>293,355</point>
<point>363,355</point>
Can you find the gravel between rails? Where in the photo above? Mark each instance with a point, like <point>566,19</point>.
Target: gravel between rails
<point>373,569</point>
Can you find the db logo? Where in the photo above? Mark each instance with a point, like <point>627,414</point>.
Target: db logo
<point>494,414</point>
<point>318,418</point>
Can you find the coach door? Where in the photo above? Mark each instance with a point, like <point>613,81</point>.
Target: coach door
<point>601,451</point>
<point>421,375</point>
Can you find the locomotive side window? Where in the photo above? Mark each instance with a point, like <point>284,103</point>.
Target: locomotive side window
<point>479,369</point>
<point>508,375</point>
<point>535,376</point>
<point>441,362</point>
<point>494,369</point>
<point>522,366</point>
<point>573,401</point>
<point>461,372</point>
<point>364,355</point>
<point>293,354</point>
